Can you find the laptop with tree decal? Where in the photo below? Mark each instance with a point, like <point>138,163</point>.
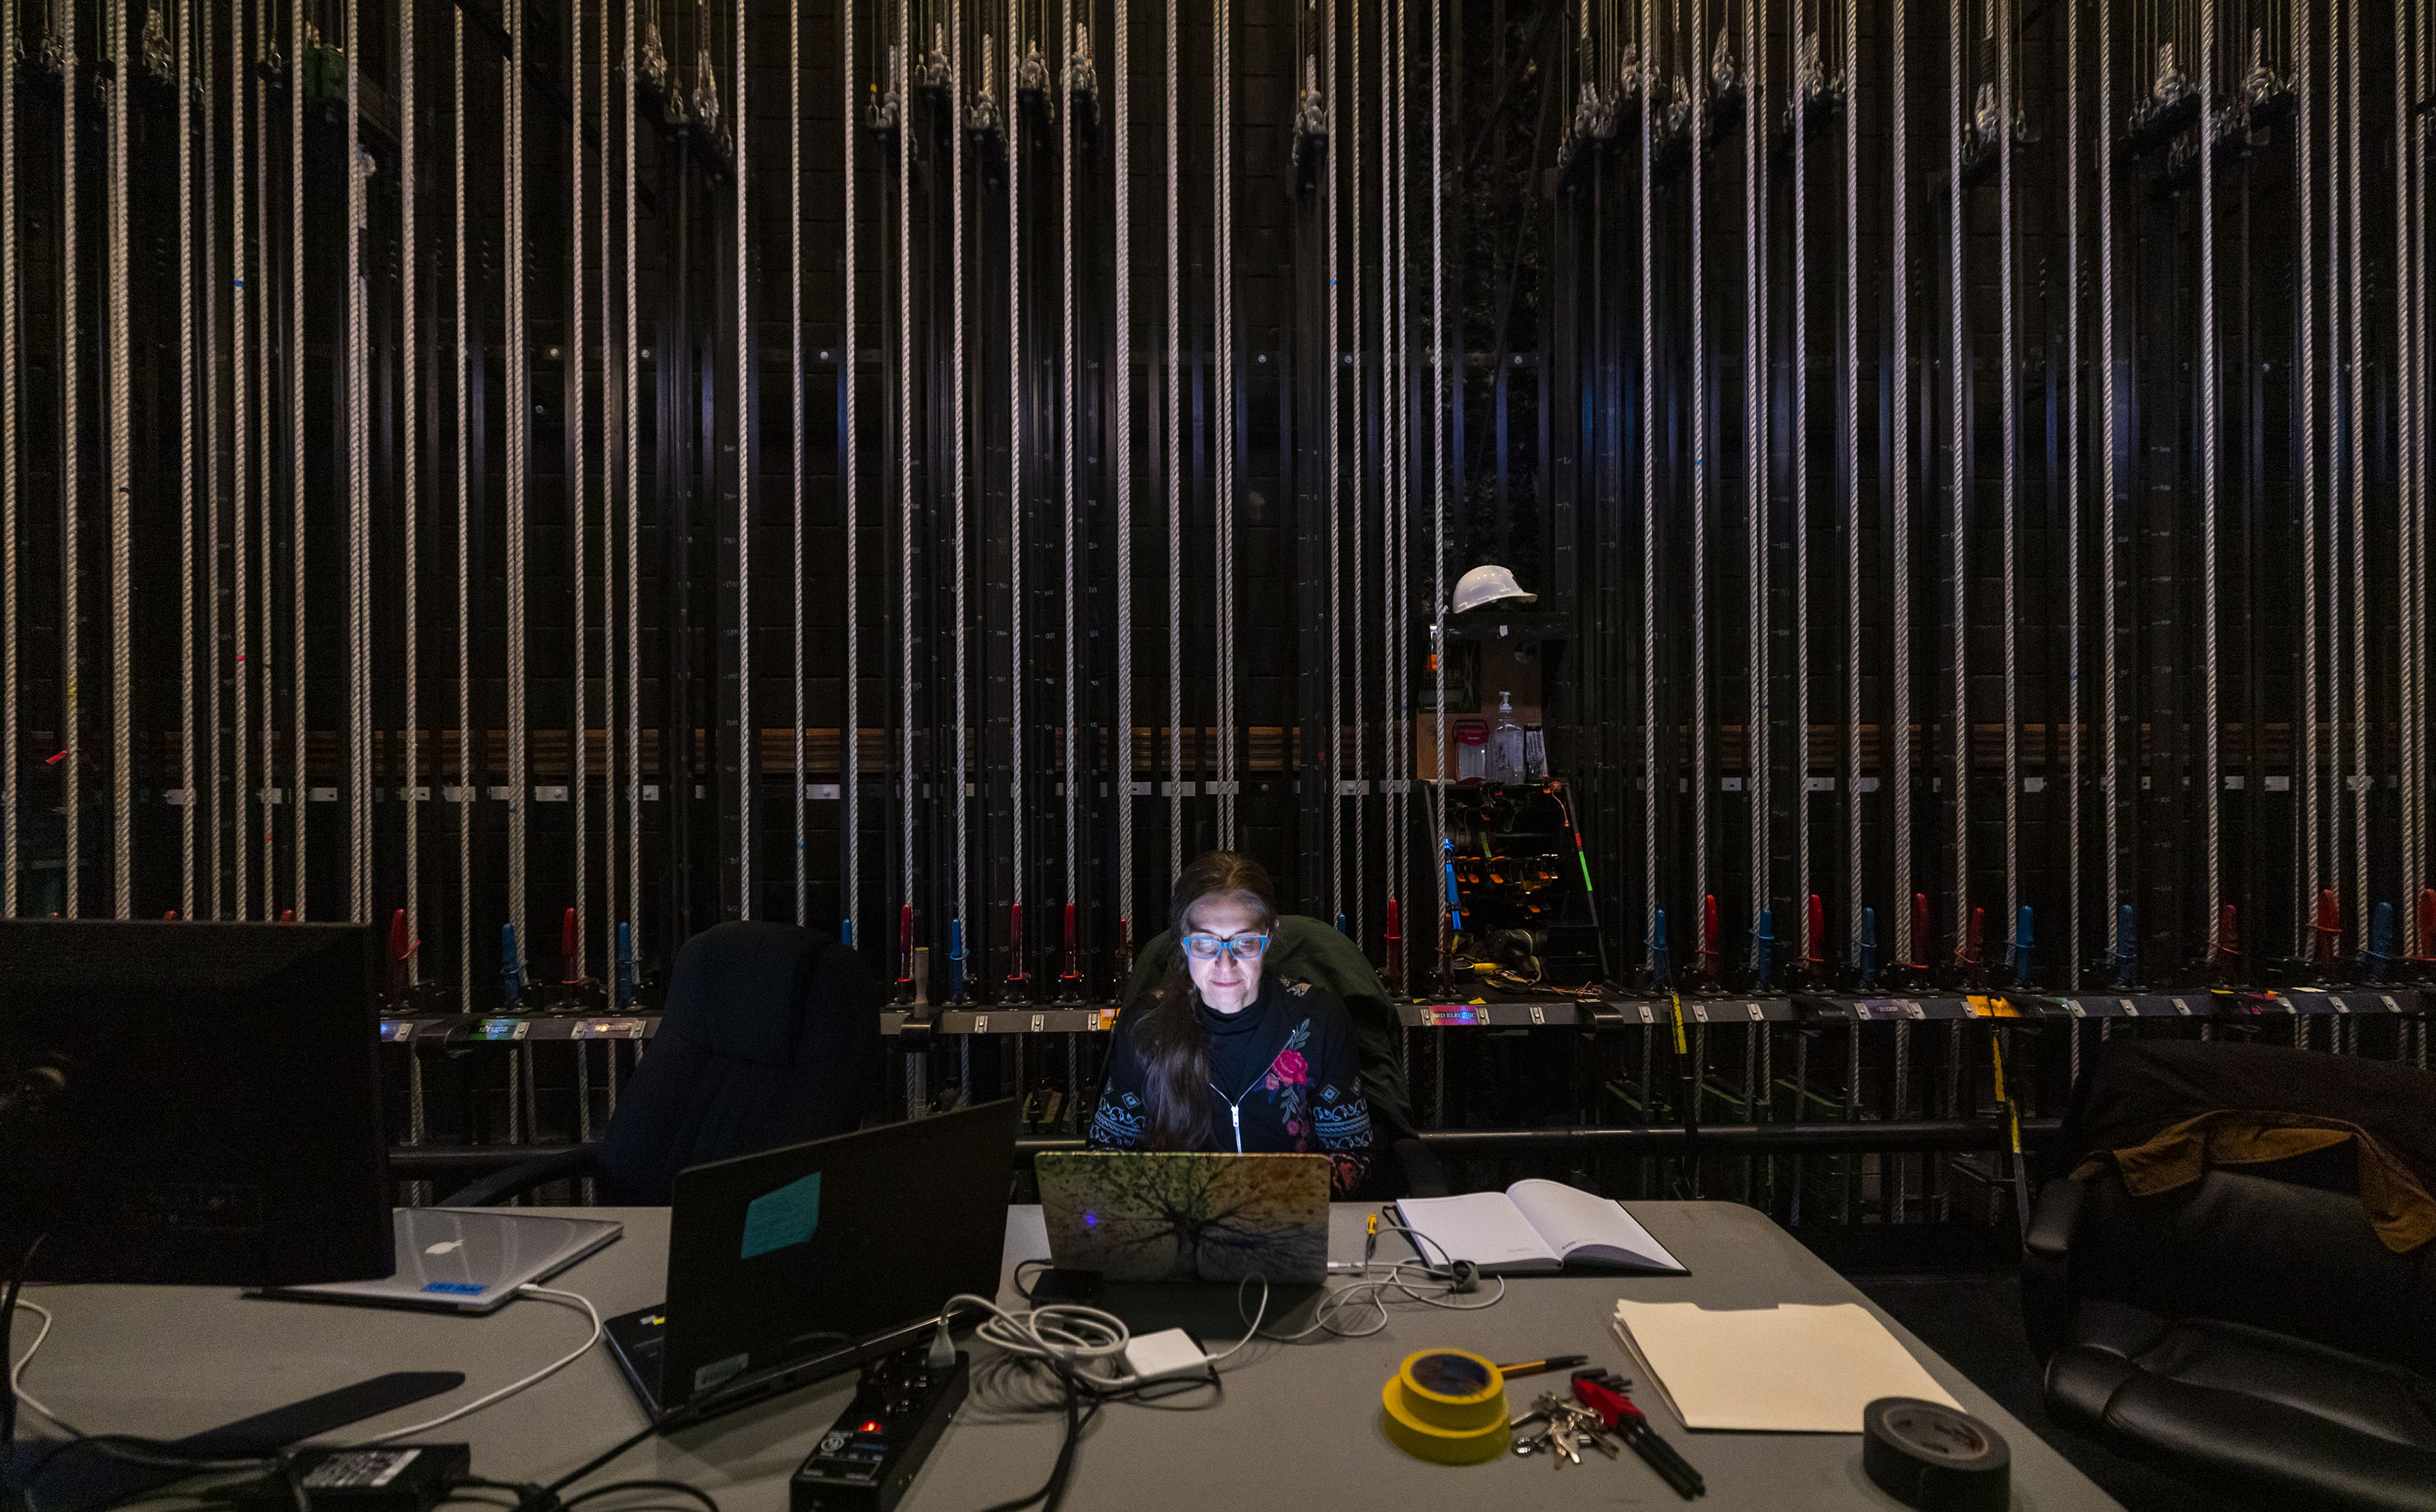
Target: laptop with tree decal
<point>1185,1216</point>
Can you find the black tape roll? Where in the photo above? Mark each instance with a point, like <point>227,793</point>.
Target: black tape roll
<point>1928,1455</point>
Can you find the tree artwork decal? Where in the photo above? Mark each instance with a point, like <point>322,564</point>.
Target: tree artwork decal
<point>1172,1216</point>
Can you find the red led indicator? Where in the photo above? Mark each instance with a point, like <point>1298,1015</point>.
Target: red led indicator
<point>870,1427</point>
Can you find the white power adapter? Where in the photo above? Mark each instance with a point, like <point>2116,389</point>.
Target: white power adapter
<point>1169,1354</point>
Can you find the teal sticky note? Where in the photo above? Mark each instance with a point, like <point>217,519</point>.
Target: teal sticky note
<point>787,1216</point>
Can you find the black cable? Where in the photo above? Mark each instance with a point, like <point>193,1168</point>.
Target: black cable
<point>1053,1490</point>
<point>615,1486</point>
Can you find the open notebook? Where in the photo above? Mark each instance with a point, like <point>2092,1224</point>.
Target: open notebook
<point>1534,1226</point>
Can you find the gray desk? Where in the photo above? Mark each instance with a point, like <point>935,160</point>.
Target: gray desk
<point>1298,1424</point>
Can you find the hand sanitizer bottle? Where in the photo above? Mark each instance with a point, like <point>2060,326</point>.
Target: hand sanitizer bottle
<point>1506,758</point>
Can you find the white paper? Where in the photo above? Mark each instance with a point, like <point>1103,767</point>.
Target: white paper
<point>1481,1227</point>
<point>1584,1226</point>
<point>1788,1369</point>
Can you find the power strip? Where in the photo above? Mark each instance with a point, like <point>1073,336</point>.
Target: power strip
<point>873,1452</point>
<point>383,1478</point>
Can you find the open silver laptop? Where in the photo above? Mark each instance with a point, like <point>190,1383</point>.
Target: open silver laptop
<point>469,1260</point>
<point>1185,1216</point>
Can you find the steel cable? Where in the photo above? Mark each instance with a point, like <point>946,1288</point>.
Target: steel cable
<point>1958,378</point>
<point>1799,457</point>
<point>632,435</point>
<point>2212,765</point>
<point>240,593</point>
<point>1899,472</point>
<point>956,444</point>
<point>186,457</point>
<point>119,356</point>
<point>1755,451</point>
<point>465,735</point>
<point>71,470</point>
<point>1438,440</point>
<point>849,468</point>
<point>299,779</point>
<point>2072,452</point>
<point>795,395</point>
<point>1124,467</point>
<point>2356,435</point>
<point>2010,396</point>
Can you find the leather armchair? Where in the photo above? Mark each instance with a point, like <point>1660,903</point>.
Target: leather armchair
<point>2249,1333</point>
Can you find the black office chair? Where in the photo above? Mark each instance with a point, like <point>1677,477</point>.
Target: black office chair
<point>770,1036</point>
<point>2249,1332</point>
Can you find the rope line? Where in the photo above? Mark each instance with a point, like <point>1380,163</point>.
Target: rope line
<point>748,733</point>
<point>186,457</point>
<point>70,470</point>
<point>1899,472</point>
<point>1123,752</point>
<point>300,778</point>
<point>410,463</point>
<point>849,470</point>
<point>579,743</point>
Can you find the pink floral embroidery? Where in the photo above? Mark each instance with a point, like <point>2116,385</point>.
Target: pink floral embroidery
<point>1288,1069</point>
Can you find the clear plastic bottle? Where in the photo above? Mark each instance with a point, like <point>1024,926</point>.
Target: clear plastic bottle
<point>1505,754</point>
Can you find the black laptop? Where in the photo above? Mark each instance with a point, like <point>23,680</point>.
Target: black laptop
<point>793,1265</point>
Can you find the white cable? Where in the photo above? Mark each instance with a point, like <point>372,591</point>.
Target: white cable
<point>1067,1336</point>
<point>487,1398</point>
<point>576,1299</point>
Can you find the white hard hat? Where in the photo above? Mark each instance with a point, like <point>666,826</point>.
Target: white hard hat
<point>1486,585</point>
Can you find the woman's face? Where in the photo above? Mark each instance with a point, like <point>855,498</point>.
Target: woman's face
<point>1227,984</point>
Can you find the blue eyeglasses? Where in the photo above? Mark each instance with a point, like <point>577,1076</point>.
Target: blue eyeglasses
<point>1242,946</point>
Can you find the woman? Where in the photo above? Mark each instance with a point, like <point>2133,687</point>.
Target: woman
<point>1225,1056</point>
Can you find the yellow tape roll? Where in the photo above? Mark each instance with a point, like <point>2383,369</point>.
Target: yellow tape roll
<point>1447,1407</point>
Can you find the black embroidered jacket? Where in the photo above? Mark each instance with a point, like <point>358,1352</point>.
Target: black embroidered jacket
<point>1284,1078</point>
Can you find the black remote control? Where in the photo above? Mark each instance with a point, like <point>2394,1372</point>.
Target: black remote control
<point>871,1453</point>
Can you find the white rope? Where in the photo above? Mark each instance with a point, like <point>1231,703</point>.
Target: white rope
<point>2072,467</point>
<point>612,417</point>
<point>2410,228</point>
<point>1222,387</point>
<point>1438,440</point>
<point>1958,378</point>
<point>358,504</point>
<point>849,470</point>
<point>299,779</point>
<point>2210,761</point>
<point>1755,457</point>
<point>748,730</point>
<point>2009,395</point>
<point>1355,923</point>
<point>1124,461</point>
<point>1017,657</point>
<point>956,441</point>
<point>8,218</point>
<point>409,463</point>
<point>2414,664</point>
<point>1175,466</point>
<point>1898,445</point>
<point>185,456</point>
<point>1651,900</point>
<point>2111,690</point>
<point>2357,435</point>
<point>633,432</point>
<point>1699,429</point>
<point>465,734</point>
<point>796,431</point>
<point>1335,513</point>
<point>211,480</point>
<point>1067,359</point>
<point>519,462</point>
<point>902,63</point>
<point>119,354</point>
<point>579,755</point>
<point>1396,743</point>
<point>1852,416</point>
<point>266,316</point>
<point>1799,456</point>
<point>240,593</point>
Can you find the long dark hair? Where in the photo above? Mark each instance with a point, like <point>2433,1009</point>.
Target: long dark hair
<point>1174,1048</point>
